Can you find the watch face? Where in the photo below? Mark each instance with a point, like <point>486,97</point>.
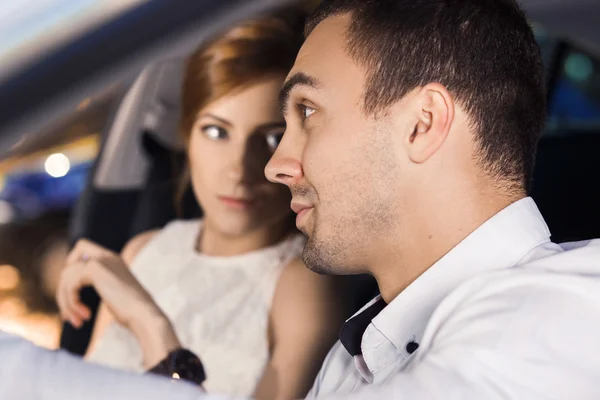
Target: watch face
<point>187,366</point>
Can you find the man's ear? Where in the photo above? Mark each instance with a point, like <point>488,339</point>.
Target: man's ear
<point>434,113</point>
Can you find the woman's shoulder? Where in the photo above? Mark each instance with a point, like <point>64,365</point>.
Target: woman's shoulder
<point>176,231</point>
<point>297,277</point>
<point>137,243</point>
<point>308,304</point>
<point>290,249</point>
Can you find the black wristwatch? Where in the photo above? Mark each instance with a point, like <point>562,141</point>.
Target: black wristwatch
<point>181,364</point>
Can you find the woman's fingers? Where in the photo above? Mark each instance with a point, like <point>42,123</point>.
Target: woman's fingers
<point>65,311</point>
<point>61,304</point>
<point>85,250</point>
<point>81,262</point>
<point>77,252</point>
<point>72,280</point>
<point>83,311</point>
<point>69,303</point>
<point>74,304</point>
<point>92,265</point>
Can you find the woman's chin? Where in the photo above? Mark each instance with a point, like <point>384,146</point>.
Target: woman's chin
<point>233,225</point>
<point>236,224</point>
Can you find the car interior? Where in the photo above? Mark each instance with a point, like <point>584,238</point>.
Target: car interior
<point>133,185</point>
<point>134,182</point>
<point>136,175</point>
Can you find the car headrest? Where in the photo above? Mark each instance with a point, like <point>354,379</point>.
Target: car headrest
<point>161,118</point>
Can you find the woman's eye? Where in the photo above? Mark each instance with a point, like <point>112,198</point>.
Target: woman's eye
<point>273,140</point>
<point>214,132</point>
<point>306,111</point>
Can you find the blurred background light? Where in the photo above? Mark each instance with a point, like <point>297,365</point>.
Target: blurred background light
<point>13,307</point>
<point>7,213</point>
<point>578,67</point>
<point>10,278</point>
<point>57,165</point>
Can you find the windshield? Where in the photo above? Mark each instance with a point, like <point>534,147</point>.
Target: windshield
<point>34,27</point>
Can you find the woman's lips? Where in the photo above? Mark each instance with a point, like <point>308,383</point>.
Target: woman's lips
<point>235,202</point>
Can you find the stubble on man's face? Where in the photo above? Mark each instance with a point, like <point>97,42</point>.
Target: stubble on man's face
<point>355,208</point>
<point>348,159</point>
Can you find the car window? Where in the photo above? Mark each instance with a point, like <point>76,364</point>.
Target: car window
<point>37,193</point>
<point>575,103</point>
<point>34,27</point>
<point>39,187</point>
<point>574,76</point>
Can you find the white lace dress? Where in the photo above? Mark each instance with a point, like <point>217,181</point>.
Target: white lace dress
<point>219,306</point>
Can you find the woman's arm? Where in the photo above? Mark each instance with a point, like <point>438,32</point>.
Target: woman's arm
<point>124,297</point>
<point>308,311</point>
<point>104,317</point>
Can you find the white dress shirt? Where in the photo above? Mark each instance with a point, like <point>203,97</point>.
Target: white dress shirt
<point>506,314</point>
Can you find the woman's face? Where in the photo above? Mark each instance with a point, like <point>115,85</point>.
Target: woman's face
<point>231,142</point>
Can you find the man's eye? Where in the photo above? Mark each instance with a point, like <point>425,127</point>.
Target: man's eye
<point>214,132</point>
<point>273,140</point>
<point>306,111</point>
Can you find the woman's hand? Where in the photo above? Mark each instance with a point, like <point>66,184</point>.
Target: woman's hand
<point>131,305</point>
<point>91,265</point>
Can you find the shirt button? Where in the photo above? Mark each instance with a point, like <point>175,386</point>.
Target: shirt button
<point>411,347</point>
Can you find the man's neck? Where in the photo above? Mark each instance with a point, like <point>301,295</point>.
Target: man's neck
<point>435,230</point>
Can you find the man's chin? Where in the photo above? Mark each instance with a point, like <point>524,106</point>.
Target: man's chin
<point>315,260</point>
<point>319,269</point>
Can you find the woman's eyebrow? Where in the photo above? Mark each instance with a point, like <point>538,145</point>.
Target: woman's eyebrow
<point>221,120</point>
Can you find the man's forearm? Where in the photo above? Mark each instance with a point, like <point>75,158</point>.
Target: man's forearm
<point>29,372</point>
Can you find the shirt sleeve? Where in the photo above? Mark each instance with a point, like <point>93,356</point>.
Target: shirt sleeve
<point>29,372</point>
<point>526,342</point>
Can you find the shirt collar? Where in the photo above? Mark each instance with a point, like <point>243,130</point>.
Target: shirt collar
<point>499,243</point>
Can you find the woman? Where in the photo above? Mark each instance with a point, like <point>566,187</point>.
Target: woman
<point>230,287</point>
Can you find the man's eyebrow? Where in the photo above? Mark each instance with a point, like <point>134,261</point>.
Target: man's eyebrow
<point>298,79</point>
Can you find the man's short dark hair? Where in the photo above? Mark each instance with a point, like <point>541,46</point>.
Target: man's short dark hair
<point>483,51</point>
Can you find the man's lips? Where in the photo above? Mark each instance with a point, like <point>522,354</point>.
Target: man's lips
<point>298,207</point>
<point>301,210</point>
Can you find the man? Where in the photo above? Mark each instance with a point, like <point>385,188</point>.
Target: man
<point>411,133</point>
<point>30,373</point>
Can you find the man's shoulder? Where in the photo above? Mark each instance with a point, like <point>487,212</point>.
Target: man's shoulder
<point>530,289</point>
<point>569,268</point>
<point>559,290</point>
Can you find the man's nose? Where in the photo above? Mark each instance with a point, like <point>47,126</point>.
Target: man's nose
<point>285,166</point>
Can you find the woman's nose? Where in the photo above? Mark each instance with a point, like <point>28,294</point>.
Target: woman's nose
<point>248,161</point>
<point>235,172</point>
